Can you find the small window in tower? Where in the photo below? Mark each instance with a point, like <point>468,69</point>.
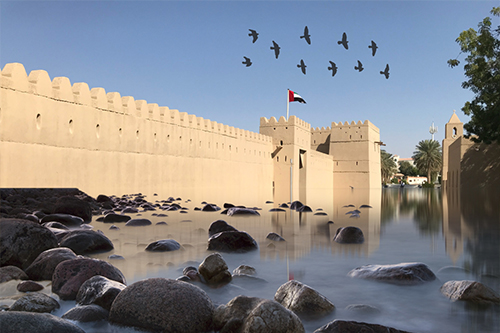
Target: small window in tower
<point>281,143</point>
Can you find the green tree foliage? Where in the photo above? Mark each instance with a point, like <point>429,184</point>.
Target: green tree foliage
<point>482,69</point>
<point>428,157</point>
<point>407,169</point>
<point>387,165</point>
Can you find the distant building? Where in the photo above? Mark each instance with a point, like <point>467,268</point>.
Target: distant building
<point>418,180</point>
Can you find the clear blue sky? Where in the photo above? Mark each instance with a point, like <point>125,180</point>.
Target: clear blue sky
<point>188,56</point>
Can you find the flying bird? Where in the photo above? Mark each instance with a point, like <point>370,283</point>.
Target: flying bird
<point>374,48</point>
<point>344,41</point>
<point>276,49</point>
<point>306,36</point>
<point>359,67</point>
<point>333,68</point>
<point>386,71</point>
<point>254,34</point>
<point>302,66</point>
<point>247,62</point>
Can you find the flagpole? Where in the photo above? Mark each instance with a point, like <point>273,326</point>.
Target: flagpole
<point>287,102</point>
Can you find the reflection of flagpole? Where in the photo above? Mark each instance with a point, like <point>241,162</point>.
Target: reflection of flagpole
<point>287,102</point>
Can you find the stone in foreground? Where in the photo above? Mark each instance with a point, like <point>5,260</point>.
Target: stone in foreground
<point>470,291</point>
<point>99,290</point>
<point>343,326</point>
<point>163,245</point>
<point>86,313</point>
<point>215,271</point>
<point>303,300</point>
<point>44,265</point>
<point>349,235</point>
<point>232,241</point>
<point>404,273</point>
<point>159,304</point>
<point>35,302</point>
<point>29,322</point>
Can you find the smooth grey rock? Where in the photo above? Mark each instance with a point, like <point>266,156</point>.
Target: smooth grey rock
<point>232,241</point>
<point>277,210</point>
<point>471,291</point>
<point>8,273</point>
<point>99,290</point>
<point>159,304</point>
<point>30,322</point>
<point>21,241</point>
<point>138,223</point>
<point>363,308</point>
<point>210,208</point>
<point>219,226</point>
<point>241,211</point>
<point>56,225</point>
<point>343,326</point>
<point>26,286</point>
<point>86,313</point>
<point>35,302</point>
<point>44,265</point>
<point>275,237</point>
<point>349,235</point>
<point>304,209</point>
<point>404,273</point>
<point>65,219</point>
<point>164,245</point>
<point>86,241</point>
<point>115,218</point>
<point>69,275</point>
<point>244,269</point>
<point>296,205</point>
<point>214,270</point>
<point>302,299</point>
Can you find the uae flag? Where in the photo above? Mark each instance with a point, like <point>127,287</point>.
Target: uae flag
<point>294,97</point>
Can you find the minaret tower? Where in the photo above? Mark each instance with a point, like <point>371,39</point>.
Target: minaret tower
<point>454,129</point>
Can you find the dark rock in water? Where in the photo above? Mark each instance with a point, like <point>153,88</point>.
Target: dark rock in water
<point>232,241</point>
<point>242,211</point>
<point>8,273</point>
<point>330,222</point>
<point>44,265</point>
<point>214,270</point>
<point>269,202</point>
<point>210,208</point>
<point>363,308</point>
<point>29,322</point>
<point>321,213</point>
<point>30,217</point>
<point>253,315</point>
<point>86,241</point>
<point>138,222</point>
<point>86,313</point>
<point>69,275</point>
<point>219,226</point>
<point>35,302</point>
<point>115,218</point>
<point>116,257</point>
<point>349,235</point>
<point>165,305</point>
<point>99,290</point>
<point>303,300</point>
<point>21,241</point>
<point>56,225</point>
<point>161,223</point>
<point>183,212</point>
<point>191,273</point>
<point>296,205</point>
<point>197,208</point>
<point>470,291</point>
<point>304,209</point>
<point>228,205</point>
<point>275,237</point>
<point>244,269</point>
<point>114,227</point>
<point>163,245</point>
<point>277,210</point>
<point>224,212</point>
<point>284,205</point>
<point>365,206</point>
<point>102,198</point>
<point>26,286</point>
<point>404,273</point>
<point>129,210</point>
<point>161,215</point>
<point>74,206</point>
<point>340,326</point>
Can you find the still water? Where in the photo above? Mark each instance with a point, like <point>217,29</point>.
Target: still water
<point>457,236</point>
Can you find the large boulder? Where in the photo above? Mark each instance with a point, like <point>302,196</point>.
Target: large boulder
<point>8,273</point>
<point>219,226</point>
<point>86,241</point>
<point>471,291</point>
<point>86,313</point>
<point>404,273</point>
<point>44,265</point>
<point>29,322</point>
<point>303,300</point>
<point>349,235</point>
<point>21,241</point>
<point>214,270</point>
<point>159,304</point>
<point>163,245</point>
<point>115,218</point>
<point>35,302</point>
<point>232,241</point>
<point>69,275</point>
<point>65,219</point>
<point>343,326</point>
<point>99,290</point>
<point>254,315</point>
<point>74,206</point>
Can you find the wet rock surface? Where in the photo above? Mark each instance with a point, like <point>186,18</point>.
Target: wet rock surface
<point>86,241</point>
<point>44,265</point>
<point>164,245</point>
<point>275,237</point>
<point>342,326</point>
<point>65,219</point>
<point>242,211</point>
<point>138,222</point>
<point>35,302</point>
<point>159,304</point>
<point>219,226</point>
<point>8,273</point>
<point>26,286</point>
<point>470,291</point>
<point>29,322</point>
<point>214,270</point>
<point>404,273</point>
<point>349,235</point>
<point>99,290</point>
<point>86,313</point>
<point>232,241</point>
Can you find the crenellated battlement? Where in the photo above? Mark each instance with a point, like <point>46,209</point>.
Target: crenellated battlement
<point>38,82</point>
<point>292,121</point>
<point>321,130</point>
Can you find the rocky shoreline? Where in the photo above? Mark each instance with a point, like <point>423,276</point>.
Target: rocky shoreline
<point>45,236</point>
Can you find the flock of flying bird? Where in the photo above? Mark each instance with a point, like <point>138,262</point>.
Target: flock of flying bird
<point>307,37</point>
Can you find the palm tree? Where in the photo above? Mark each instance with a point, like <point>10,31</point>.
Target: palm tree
<point>428,157</point>
<point>387,165</point>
